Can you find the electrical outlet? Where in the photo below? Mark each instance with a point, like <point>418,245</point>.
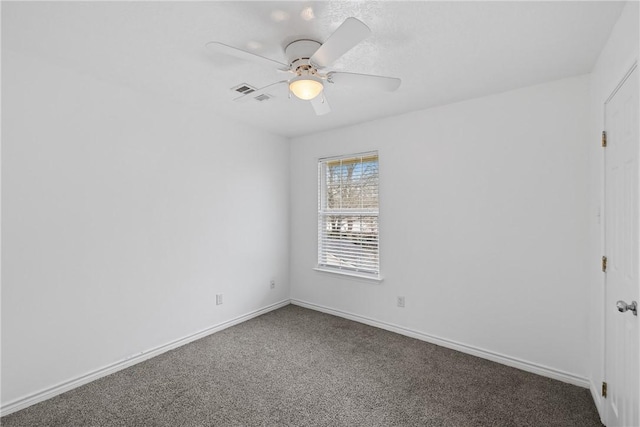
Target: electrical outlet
<point>218,299</point>
<point>401,302</point>
<point>273,284</point>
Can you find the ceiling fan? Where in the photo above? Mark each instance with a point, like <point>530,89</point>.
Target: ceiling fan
<point>307,62</point>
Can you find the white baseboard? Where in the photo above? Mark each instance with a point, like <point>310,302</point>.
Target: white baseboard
<point>50,392</point>
<point>464,348</point>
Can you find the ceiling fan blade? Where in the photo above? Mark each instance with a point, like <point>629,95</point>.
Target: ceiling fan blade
<point>242,54</point>
<point>365,81</point>
<point>349,34</point>
<point>320,105</point>
<point>272,88</point>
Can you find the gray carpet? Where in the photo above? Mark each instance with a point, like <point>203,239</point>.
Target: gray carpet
<point>298,367</point>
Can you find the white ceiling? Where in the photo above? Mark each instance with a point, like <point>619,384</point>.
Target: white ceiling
<point>443,51</point>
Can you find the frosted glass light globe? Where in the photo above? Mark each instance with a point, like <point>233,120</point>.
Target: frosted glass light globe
<point>306,87</point>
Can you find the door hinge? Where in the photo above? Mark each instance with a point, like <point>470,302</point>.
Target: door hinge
<point>604,389</point>
<point>604,264</point>
<point>604,138</point>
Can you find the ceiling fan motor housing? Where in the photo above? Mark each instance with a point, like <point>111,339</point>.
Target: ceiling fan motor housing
<point>299,52</point>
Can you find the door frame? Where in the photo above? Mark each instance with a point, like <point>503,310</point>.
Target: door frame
<point>602,220</point>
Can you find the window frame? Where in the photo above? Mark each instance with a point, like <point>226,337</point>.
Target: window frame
<point>323,211</point>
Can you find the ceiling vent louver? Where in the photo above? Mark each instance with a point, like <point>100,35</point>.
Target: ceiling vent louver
<point>244,88</point>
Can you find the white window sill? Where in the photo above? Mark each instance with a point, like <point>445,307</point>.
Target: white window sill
<point>350,274</point>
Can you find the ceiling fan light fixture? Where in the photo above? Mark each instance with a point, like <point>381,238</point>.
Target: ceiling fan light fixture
<point>306,87</point>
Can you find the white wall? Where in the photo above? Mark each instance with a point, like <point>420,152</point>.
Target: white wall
<point>122,216</point>
<point>483,225</point>
<point>617,57</point>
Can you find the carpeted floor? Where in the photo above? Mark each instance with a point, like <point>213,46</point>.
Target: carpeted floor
<point>298,367</point>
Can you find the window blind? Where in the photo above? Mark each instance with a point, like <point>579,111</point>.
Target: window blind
<point>348,213</point>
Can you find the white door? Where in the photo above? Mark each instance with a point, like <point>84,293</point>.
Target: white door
<point>622,203</point>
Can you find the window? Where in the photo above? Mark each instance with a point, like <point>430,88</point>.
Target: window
<point>348,214</point>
